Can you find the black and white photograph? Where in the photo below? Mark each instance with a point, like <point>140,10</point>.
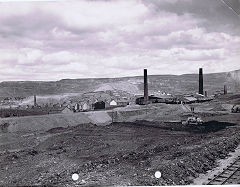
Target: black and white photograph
<point>119,92</point>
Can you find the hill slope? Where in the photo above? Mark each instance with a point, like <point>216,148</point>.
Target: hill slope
<point>134,85</point>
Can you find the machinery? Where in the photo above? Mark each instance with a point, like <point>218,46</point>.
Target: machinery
<point>235,109</point>
<point>193,120</point>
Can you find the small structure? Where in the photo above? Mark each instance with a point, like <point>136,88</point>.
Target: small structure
<point>67,110</point>
<point>122,103</point>
<point>113,103</point>
<point>110,104</point>
<point>77,107</point>
<point>85,107</point>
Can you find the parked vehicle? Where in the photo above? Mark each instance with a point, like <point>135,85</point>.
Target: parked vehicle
<point>193,120</point>
<point>235,109</point>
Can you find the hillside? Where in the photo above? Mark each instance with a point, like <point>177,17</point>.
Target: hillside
<point>186,83</point>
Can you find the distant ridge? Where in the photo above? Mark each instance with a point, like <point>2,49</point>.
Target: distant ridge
<point>102,78</point>
<point>165,83</point>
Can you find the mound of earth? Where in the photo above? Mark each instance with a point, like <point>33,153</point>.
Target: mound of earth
<point>121,86</point>
<point>218,107</point>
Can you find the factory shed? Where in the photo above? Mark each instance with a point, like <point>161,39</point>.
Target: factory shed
<point>99,105</point>
<point>151,99</point>
<point>169,99</point>
<point>189,99</point>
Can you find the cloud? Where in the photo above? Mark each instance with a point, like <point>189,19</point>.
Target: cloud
<point>216,15</point>
<point>55,40</point>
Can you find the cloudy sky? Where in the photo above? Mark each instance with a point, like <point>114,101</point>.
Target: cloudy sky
<point>115,38</point>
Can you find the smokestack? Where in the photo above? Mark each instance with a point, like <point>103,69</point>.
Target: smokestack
<point>200,81</point>
<point>225,89</point>
<point>35,100</point>
<point>145,87</point>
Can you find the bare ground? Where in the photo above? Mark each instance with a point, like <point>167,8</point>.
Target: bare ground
<point>118,154</point>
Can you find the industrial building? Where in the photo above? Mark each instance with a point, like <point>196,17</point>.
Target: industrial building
<point>169,99</point>
<point>151,99</point>
<point>99,105</point>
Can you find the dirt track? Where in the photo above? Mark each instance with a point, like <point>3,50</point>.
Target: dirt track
<point>120,154</point>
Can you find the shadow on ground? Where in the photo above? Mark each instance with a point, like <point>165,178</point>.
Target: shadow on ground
<point>207,127</point>
<point>213,126</point>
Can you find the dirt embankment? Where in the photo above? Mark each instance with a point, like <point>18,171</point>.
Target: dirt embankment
<point>179,161</point>
<point>119,154</point>
<point>46,122</point>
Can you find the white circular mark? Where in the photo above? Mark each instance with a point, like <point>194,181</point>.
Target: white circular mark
<point>75,176</point>
<point>158,174</point>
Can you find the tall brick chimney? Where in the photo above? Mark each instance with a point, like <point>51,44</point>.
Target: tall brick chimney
<point>200,81</point>
<point>145,87</point>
